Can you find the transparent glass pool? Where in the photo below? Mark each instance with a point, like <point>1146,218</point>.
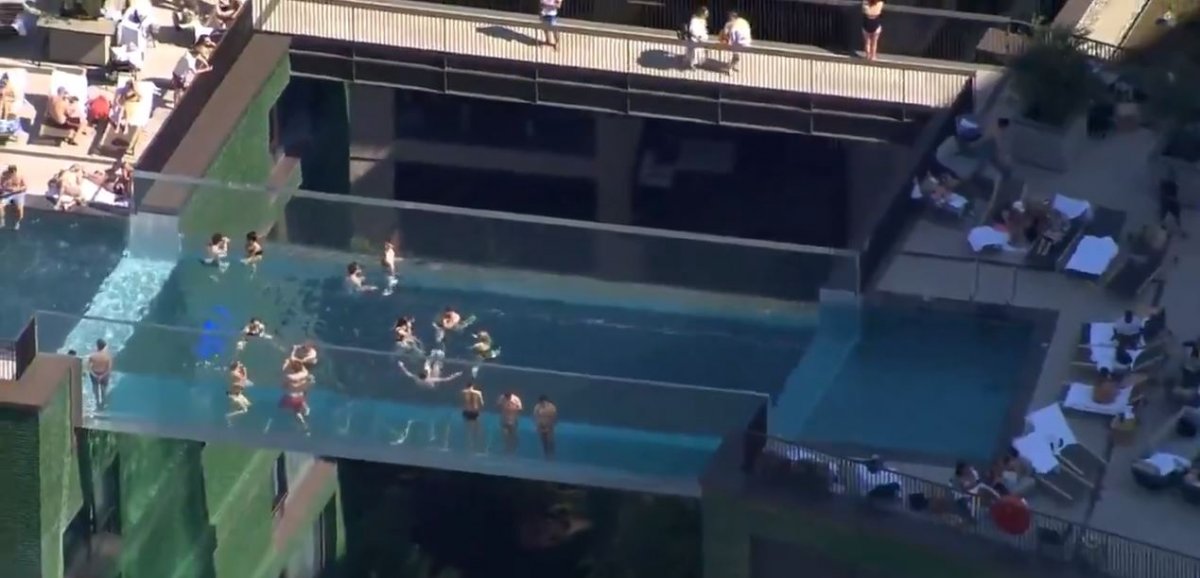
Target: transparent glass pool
<point>909,382</point>
<point>621,433</point>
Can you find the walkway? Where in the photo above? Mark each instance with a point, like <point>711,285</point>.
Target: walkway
<point>609,48</point>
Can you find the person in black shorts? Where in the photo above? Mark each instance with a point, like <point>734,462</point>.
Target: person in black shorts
<point>472,405</point>
<point>872,26</point>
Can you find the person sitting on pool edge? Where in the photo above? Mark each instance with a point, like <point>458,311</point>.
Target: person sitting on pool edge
<point>356,279</point>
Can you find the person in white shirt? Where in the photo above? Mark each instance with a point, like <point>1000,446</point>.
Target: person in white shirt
<point>736,34</point>
<point>549,15</point>
<point>186,69</point>
<point>697,34</point>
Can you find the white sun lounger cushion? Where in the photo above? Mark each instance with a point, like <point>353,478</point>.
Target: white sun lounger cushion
<point>1093,255</point>
<point>1080,397</point>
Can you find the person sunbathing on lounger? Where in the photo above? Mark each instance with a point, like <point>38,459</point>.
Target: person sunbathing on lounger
<point>8,98</point>
<point>64,113</point>
<point>69,183</point>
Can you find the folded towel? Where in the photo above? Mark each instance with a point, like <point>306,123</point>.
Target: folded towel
<point>982,238</point>
<point>1093,255</point>
<point>1072,208</point>
<point>1167,463</point>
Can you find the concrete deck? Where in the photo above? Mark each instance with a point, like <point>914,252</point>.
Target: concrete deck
<point>39,160</point>
<point>936,261</point>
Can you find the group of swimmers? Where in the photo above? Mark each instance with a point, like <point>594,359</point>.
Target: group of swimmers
<point>301,360</point>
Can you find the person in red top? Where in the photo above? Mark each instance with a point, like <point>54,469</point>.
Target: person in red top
<point>98,109</point>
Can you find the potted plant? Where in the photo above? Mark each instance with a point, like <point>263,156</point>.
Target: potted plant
<point>1055,84</point>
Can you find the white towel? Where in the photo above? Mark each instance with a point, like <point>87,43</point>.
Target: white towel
<point>1093,255</point>
<point>982,238</point>
<point>1080,398</point>
<point>1037,450</point>
<point>1106,357</point>
<point>1167,463</point>
<point>1072,208</point>
<point>1100,334</point>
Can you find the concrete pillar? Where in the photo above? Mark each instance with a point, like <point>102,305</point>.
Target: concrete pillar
<point>617,140</point>
<point>372,132</point>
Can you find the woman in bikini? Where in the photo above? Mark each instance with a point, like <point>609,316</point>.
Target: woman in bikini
<point>238,382</point>
<point>254,250</point>
<point>872,27</point>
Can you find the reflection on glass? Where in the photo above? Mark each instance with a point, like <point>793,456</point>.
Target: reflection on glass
<point>175,382</point>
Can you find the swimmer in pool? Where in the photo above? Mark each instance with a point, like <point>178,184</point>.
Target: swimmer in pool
<point>238,382</point>
<point>484,349</point>
<point>545,415</point>
<point>305,354</point>
<point>472,405</point>
<point>217,251</point>
<point>510,412</point>
<point>430,375</point>
<point>388,261</point>
<point>254,250</point>
<point>254,329</point>
<point>450,320</point>
<point>356,280</point>
<point>405,335</point>
<point>296,381</point>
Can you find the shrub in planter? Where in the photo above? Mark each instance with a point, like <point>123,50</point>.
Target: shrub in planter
<point>1055,84</point>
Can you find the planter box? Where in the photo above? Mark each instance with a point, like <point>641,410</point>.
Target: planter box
<point>1045,146</point>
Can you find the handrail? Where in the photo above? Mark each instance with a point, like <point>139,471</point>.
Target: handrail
<point>455,30</point>
<point>1074,544</point>
<point>913,31</point>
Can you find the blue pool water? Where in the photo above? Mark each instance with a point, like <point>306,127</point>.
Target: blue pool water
<point>354,427</point>
<point>299,294</point>
<point>925,383</point>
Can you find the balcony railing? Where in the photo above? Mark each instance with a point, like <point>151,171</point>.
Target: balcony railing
<point>229,48</point>
<point>834,25</point>
<point>783,468</point>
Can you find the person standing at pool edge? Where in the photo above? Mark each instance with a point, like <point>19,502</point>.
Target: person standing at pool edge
<point>472,405</point>
<point>872,27</point>
<point>545,414</point>
<point>510,411</point>
<point>100,366</point>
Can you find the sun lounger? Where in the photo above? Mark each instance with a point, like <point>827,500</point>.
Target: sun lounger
<point>75,85</point>
<point>1081,397</point>
<point>19,78</point>
<point>1046,254</point>
<point>1097,244</point>
<point>1051,424</point>
<point>1047,470</point>
<point>1135,274</point>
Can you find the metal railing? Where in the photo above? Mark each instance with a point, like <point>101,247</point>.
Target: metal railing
<point>834,25</point>
<point>433,29</point>
<point>936,511</point>
<point>193,100</point>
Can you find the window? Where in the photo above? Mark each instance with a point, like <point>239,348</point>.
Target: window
<point>281,481</point>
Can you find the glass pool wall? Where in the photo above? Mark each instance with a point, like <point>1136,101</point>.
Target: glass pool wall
<point>171,382</point>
